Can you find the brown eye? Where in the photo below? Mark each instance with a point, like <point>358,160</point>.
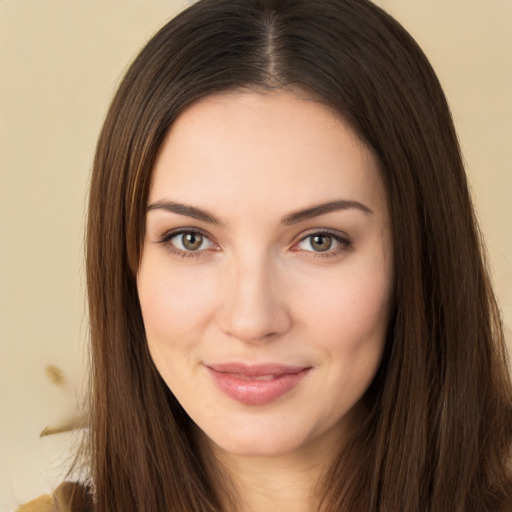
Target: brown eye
<point>192,241</point>
<point>189,241</point>
<point>321,242</point>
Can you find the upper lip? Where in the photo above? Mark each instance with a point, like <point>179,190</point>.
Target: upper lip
<point>256,370</point>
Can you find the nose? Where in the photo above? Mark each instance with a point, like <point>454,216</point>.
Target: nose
<point>253,306</point>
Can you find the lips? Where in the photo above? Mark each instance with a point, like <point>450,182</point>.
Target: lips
<point>256,384</point>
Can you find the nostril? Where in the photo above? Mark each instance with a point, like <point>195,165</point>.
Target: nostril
<point>254,323</point>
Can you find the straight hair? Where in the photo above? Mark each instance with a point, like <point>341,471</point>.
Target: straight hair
<point>437,431</point>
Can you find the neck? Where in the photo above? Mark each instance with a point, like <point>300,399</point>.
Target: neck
<point>287,482</point>
<point>274,484</point>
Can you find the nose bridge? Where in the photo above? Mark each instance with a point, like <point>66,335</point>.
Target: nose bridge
<point>253,306</point>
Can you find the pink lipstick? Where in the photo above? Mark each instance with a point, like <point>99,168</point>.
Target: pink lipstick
<point>256,384</point>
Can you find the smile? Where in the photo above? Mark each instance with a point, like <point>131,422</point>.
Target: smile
<point>256,385</point>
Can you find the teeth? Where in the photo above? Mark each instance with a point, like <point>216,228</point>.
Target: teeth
<point>259,377</point>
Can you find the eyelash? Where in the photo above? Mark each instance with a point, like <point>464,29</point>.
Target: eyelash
<point>343,242</point>
<point>166,238</point>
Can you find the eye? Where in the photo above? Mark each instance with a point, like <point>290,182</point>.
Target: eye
<point>323,244</point>
<point>186,242</point>
<point>319,242</point>
<point>190,241</point>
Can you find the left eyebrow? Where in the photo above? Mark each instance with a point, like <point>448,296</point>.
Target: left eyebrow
<point>322,209</point>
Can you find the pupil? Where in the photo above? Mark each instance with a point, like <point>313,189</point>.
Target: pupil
<point>192,241</point>
<point>321,242</point>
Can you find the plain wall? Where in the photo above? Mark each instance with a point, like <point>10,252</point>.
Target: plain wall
<point>60,62</point>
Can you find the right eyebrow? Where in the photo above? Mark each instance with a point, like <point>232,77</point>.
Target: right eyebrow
<point>184,209</point>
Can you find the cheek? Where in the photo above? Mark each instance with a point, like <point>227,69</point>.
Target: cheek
<point>351,310</point>
<point>349,324</point>
<point>175,305</point>
<point>175,311</point>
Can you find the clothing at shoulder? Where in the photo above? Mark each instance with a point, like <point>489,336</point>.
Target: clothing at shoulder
<point>68,497</point>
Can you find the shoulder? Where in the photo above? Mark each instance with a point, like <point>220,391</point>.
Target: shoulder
<point>68,497</point>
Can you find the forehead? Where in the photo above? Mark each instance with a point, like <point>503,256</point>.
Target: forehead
<point>238,148</point>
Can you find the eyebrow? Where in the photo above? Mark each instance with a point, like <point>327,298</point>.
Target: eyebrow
<point>287,220</point>
<point>322,209</point>
<point>184,209</point>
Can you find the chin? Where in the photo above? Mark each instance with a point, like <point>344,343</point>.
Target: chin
<point>253,438</point>
<point>261,447</point>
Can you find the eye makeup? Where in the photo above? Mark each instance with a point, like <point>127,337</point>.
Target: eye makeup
<point>194,242</point>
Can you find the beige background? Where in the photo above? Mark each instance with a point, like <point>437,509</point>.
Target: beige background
<point>59,64</point>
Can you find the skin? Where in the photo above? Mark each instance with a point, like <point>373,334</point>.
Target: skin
<point>258,291</point>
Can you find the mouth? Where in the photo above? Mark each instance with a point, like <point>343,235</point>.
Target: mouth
<point>256,384</point>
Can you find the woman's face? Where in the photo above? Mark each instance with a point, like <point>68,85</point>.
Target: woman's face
<point>266,271</point>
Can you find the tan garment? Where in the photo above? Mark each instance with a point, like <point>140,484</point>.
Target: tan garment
<point>41,504</point>
<point>68,497</point>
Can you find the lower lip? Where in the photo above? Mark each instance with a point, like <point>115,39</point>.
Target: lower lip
<point>256,392</point>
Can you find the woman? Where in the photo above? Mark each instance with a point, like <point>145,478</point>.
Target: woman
<point>288,302</point>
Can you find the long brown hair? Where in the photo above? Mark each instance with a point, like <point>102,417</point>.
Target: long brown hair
<point>438,430</point>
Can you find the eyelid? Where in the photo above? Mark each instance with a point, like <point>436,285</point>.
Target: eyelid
<point>165,240</point>
<point>167,235</point>
<point>343,240</point>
